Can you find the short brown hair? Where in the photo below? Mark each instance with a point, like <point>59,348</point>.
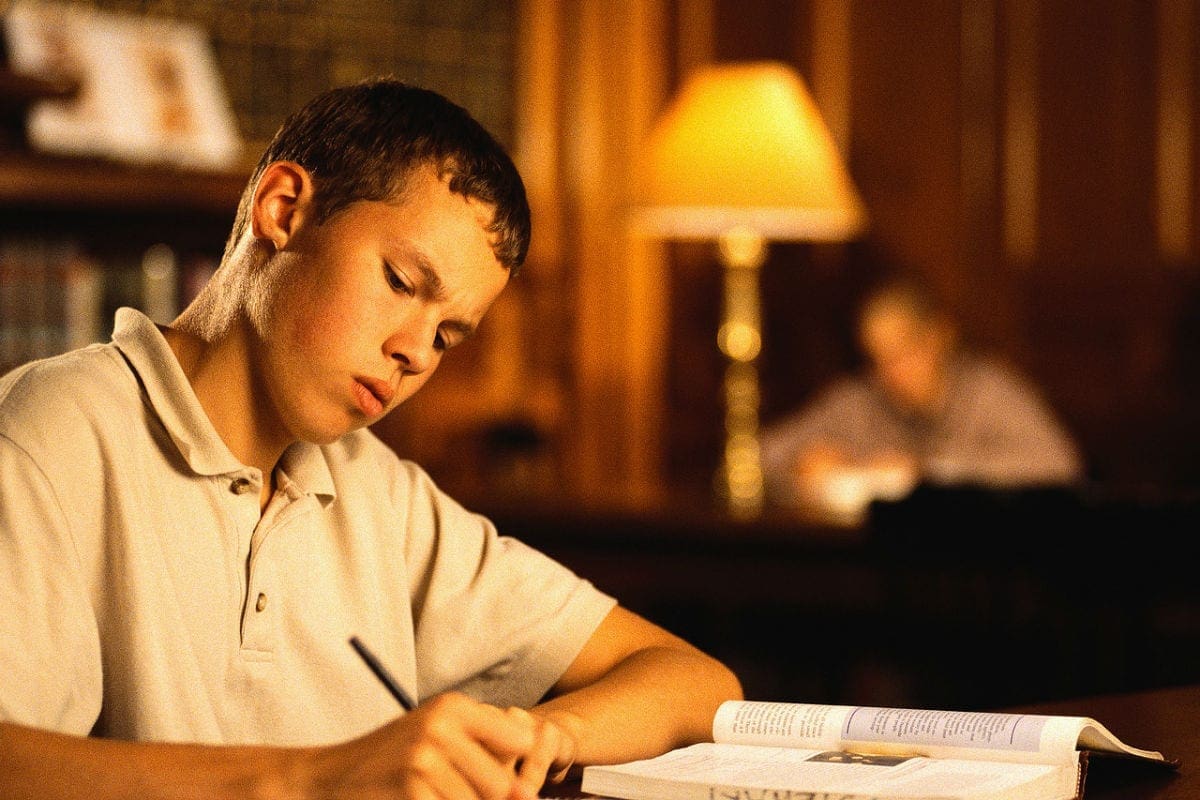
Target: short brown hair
<point>361,142</point>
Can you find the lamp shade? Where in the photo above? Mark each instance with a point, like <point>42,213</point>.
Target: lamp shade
<point>743,146</point>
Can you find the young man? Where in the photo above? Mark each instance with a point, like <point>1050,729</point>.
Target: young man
<point>194,519</point>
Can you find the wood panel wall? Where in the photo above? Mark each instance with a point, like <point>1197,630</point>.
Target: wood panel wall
<point>1035,159</point>
<point>574,392</point>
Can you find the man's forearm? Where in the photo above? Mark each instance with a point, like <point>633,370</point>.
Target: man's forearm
<point>653,700</point>
<point>452,746</point>
<point>42,765</point>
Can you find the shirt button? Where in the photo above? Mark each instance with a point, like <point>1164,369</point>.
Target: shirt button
<point>240,485</point>
<point>261,603</point>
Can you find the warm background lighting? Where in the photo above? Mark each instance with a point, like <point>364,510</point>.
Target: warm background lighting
<point>743,145</point>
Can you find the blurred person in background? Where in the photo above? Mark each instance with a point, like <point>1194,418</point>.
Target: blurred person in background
<point>924,410</point>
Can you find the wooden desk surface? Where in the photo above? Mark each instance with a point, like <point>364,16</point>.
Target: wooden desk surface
<point>1167,720</point>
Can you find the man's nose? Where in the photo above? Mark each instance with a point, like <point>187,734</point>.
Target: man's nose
<point>412,347</point>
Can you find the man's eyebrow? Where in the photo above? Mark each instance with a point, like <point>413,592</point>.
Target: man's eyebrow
<point>437,290</point>
<point>429,276</point>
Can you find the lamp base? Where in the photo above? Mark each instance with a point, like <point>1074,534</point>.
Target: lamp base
<point>740,478</point>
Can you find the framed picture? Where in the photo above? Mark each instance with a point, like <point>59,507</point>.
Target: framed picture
<point>150,90</point>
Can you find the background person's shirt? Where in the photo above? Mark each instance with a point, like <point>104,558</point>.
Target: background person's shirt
<point>994,430</point>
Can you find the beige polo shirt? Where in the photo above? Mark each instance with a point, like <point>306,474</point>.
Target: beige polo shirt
<point>142,597</point>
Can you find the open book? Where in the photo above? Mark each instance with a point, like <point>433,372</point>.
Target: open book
<point>799,751</point>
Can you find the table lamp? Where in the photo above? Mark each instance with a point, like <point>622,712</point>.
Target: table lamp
<point>741,155</point>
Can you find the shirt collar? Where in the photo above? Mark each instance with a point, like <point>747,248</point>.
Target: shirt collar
<point>175,402</point>
<point>307,466</point>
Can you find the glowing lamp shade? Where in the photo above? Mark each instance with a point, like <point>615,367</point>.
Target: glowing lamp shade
<point>743,146</point>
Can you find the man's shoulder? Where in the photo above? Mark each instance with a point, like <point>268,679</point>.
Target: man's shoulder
<point>372,479</point>
<point>993,371</point>
<point>850,391</point>
<point>74,377</point>
<point>55,392</point>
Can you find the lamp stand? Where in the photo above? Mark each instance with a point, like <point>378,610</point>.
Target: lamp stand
<point>740,478</point>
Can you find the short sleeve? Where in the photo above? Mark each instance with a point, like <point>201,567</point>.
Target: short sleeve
<point>493,617</point>
<point>50,674</point>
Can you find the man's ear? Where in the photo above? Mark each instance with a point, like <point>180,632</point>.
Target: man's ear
<point>282,203</point>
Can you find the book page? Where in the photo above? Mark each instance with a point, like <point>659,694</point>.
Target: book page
<point>743,772</point>
<point>940,734</point>
<point>1094,736</point>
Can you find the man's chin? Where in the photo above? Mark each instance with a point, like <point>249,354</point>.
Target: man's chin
<point>328,433</point>
<point>321,435</point>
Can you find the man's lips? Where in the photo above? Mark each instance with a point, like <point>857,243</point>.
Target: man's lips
<point>372,395</point>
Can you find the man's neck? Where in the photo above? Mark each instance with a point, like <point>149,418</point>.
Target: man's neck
<point>221,375</point>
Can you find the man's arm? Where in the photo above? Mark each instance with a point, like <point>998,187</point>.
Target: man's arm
<point>634,691</point>
<point>835,427</point>
<point>450,747</point>
<point>1016,437</point>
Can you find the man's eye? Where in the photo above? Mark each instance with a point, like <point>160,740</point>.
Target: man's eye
<point>440,343</point>
<point>395,281</point>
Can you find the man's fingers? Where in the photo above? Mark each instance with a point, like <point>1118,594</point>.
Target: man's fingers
<point>436,777</point>
<point>508,733</point>
<point>487,775</point>
<point>449,748</point>
<point>481,744</point>
<point>551,756</point>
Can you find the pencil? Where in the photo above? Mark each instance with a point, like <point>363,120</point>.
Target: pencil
<point>384,676</point>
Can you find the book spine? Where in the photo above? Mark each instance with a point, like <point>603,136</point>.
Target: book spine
<point>51,299</point>
<point>160,284</point>
<point>83,283</point>
<point>8,307</point>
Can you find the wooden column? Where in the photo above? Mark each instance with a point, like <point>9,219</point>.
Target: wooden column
<point>592,76</point>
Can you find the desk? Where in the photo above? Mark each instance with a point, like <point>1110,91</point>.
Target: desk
<point>955,601</point>
<point>1160,719</point>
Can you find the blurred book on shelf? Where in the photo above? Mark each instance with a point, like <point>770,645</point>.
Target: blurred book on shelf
<point>56,297</point>
<point>50,299</point>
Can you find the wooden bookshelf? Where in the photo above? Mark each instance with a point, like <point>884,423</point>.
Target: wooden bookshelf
<point>17,94</point>
<point>32,180</point>
<point>83,185</point>
<point>97,221</point>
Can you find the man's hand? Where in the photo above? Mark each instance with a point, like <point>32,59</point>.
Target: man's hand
<point>816,463</point>
<point>449,747</point>
<point>557,748</point>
